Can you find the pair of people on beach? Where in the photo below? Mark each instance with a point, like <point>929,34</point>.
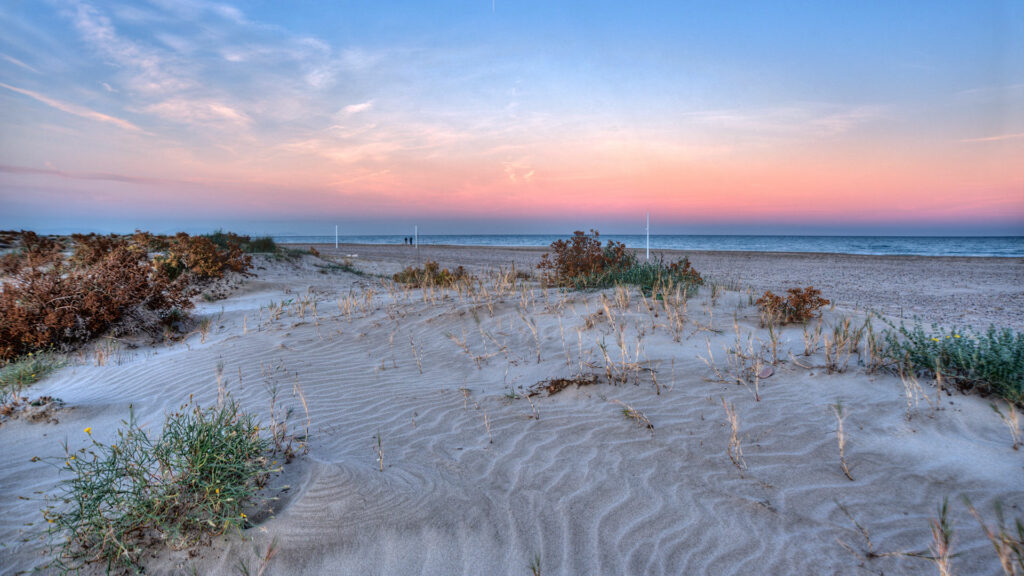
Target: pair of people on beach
<point>408,240</point>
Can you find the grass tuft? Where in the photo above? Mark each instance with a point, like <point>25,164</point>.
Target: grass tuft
<point>991,362</point>
<point>27,370</point>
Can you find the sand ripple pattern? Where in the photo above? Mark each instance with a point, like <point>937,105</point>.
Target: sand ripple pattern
<point>474,483</point>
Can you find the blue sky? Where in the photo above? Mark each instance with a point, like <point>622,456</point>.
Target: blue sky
<point>733,117</point>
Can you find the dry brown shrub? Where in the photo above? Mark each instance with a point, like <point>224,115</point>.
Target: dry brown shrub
<point>108,282</point>
<point>199,256</point>
<point>800,305</point>
<point>583,257</point>
<point>59,305</point>
<point>90,249</point>
<point>431,275</point>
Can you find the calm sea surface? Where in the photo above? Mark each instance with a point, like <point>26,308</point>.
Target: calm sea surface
<point>1002,246</point>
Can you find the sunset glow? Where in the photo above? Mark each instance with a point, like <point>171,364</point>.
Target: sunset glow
<point>521,117</point>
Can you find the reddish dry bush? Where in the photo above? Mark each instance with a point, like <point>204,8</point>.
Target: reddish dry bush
<point>10,263</point>
<point>32,250</point>
<point>107,282</point>
<point>582,257</point>
<point>800,305</point>
<point>60,305</point>
<point>681,271</point>
<point>90,249</point>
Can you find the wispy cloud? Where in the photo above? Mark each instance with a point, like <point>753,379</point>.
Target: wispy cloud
<point>519,171</point>
<point>198,111</point>
<point>996,138</point>
<point>150,71</point>
<point>85,175</point>
<point>18,63</point>
<point>357,108</point>
<point>74,109</point>
<point>800,119</point>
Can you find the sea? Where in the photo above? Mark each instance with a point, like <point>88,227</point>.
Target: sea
<point>994,246</point>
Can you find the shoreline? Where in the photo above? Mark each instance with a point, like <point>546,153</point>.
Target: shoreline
<point>667,251</point>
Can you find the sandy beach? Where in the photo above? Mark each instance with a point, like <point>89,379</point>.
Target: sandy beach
<point>429,453</point>
<point>948,291</point>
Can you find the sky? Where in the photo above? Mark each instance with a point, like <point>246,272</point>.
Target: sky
<point>500,116</point>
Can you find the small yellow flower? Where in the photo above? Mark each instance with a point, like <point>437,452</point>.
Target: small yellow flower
<point>33,375</point>
<point>88,430</point>
<point>218,490</point>
<point>935,339</point>
<point>243,515</point>
<point>956,335</point>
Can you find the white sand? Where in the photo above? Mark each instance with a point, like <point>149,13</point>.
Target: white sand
<point>582,487</point>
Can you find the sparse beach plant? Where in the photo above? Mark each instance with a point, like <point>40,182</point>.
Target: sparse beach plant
<point>913,392</point>
<point>534,565</point>
<point>1012,421</point>
<point>735,450</point>
<point>192,481</point>
<point>262,560</point>
<point>204,328</point>
<point>487,425</point>
<point>416,354</point>
<point>380,449</point>
<point>942,541</point>
<point>837,409</point>
<point>636,416</point>
<point>1008,543</point>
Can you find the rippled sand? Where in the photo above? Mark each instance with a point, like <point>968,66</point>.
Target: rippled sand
<point>478,479</point>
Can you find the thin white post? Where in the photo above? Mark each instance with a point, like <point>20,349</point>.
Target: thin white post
<point>648,236</point>
<point>416,235</point>
<point>335,236</point>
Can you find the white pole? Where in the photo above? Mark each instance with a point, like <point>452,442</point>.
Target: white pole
<point>335,236</point>
<point>416,235</point>
<point>648,236</point>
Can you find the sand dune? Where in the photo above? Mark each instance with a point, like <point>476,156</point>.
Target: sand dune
<point>479,479</point>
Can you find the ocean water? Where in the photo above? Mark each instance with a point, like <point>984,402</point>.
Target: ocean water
<point>998,246</point>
